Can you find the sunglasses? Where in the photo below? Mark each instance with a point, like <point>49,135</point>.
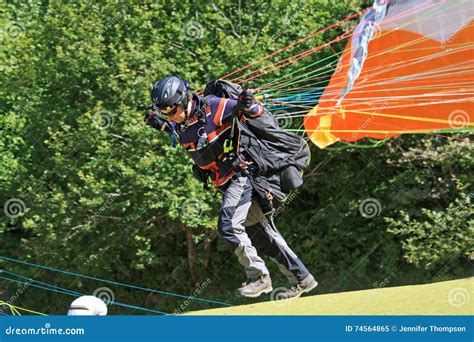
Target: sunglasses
<point>169,111</point>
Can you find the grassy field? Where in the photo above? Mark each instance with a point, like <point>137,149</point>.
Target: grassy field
<point>444,298</point>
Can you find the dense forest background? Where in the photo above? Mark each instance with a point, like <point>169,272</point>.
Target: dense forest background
<point>87,187</point>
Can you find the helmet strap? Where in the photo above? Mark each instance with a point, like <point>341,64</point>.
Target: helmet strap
<point>185,103</point>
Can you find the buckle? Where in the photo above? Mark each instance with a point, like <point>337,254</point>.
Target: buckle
<point>228,146</point>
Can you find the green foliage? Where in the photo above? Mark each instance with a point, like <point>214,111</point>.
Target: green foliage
<point>439,236</point>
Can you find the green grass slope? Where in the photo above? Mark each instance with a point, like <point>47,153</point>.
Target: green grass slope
<point>444,298</point>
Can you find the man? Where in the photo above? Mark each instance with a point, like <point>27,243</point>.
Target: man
<point>206,128</point>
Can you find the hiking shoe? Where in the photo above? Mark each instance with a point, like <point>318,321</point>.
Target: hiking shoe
<point>255,287</point>
<point>304,286</point>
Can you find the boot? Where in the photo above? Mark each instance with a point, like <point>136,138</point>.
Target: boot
<point>303,286</point>
<point>255,287</point>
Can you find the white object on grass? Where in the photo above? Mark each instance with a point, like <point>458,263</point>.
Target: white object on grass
<point>87,306</point>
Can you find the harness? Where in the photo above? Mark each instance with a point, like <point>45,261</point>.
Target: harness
<point>241,163</point>
<point>229,148</point>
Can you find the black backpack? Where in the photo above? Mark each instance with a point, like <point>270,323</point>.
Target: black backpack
<point>281,156</point>
<point>223,89</point>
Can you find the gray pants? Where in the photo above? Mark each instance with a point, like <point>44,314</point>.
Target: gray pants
<point>245,228</point>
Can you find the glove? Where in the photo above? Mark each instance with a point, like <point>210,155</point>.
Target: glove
<point>247,105</point>
<point>245,101</point>
<point>157,122</point>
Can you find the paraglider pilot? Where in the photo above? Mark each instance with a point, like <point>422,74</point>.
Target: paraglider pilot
<point>210,129</point>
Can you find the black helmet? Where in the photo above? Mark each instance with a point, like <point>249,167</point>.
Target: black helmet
<point>169,91</point>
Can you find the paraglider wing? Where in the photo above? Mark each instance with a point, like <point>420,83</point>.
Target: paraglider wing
<point>408,68</point>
